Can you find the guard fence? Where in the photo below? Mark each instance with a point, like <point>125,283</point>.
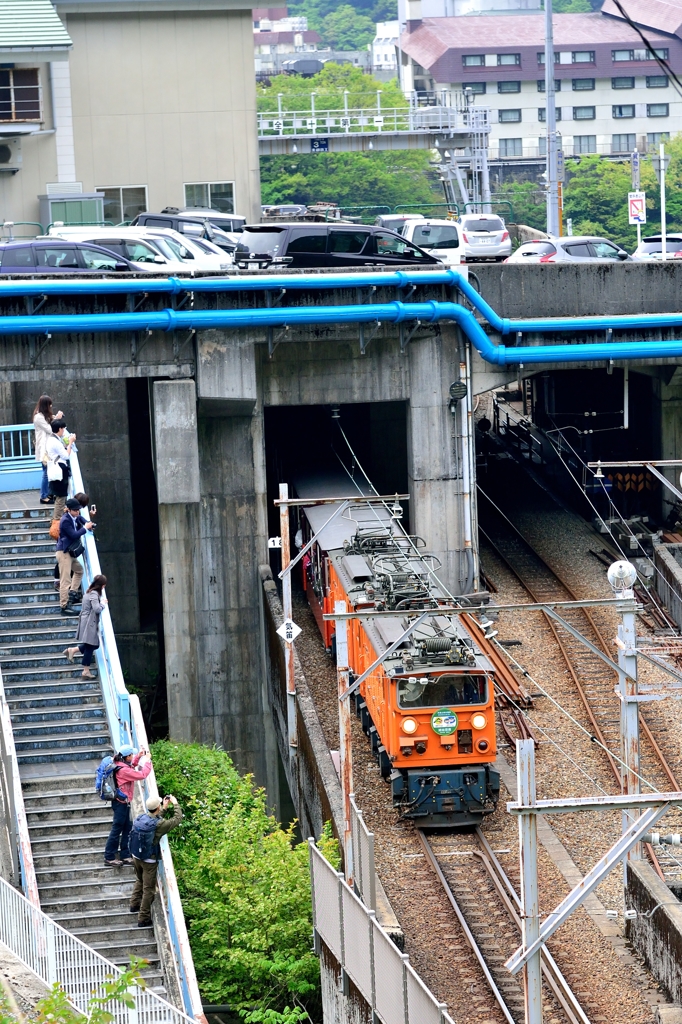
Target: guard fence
<point>363,857</point>
<point>366,954</point>
<point>55,955</point>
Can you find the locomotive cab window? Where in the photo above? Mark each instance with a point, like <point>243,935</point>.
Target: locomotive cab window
<point>439,691</point>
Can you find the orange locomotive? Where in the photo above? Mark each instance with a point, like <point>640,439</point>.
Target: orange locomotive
<point>428,709</point>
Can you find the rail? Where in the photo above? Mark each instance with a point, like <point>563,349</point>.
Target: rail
<point>56,956</point>
<point>23,868</point>
<point>372,121</point>
<point>126,725</point>
<point>381,973</point>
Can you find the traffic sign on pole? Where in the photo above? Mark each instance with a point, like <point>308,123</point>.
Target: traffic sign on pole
<point>634,165</point>
<point>636,207</point>
<point>559,165</point>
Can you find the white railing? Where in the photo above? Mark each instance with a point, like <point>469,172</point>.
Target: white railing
<point>382,974</point>
<point>55,955</point>
<point>126,725</point>
<point>363,857</point>
<point>16,822</point>
<point>372,121</point>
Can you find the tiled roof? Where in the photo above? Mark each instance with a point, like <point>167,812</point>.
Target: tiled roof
<point>31,25</point>
<point>661,15</point>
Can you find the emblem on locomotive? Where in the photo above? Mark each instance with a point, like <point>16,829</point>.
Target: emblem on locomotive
<point>444,722</point>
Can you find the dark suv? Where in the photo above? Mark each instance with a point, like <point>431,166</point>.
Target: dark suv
<point>325,245</point>
<point>219,228</point>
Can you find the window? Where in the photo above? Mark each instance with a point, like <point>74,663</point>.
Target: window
<point>440,691</point>
<point>62,256</point>
<point>605,251</point>
<point>509,58</point>
<point>542,113</point>
<point>624,110</point>
<point>477,88</point>
<point>622,83</point>
<point>392,245</point>
<point>541,85</point>
<point>584,144</point>
<point>622,143</point>
<point>506,116</point>
<point>473,60</point>
<point>346,241</point>
<point>21,256</point>
<point>509,87</point>
<point>123,203</point>
<point>582,57</point>
<point>654,139</point>
<point>19,94</point>
<point>638,54</point>
<point>511,147</point>
<point>583,84</point>
<point>584,113</point>
<point>314,241</point>
<point>211,195</point>
<point>97,260</point>
<point>580,250</point>
<point>139,252</point>
<point>436,236</point>
<point>541,57</point>
<point>657,81</point>
<point>657,110</point>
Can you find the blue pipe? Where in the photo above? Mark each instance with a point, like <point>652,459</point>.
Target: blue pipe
<point>391,312</point>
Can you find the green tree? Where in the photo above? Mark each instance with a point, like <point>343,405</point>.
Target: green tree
<point>317,10</point>
<point>528,203</point>
<point>245,888</point>
<point>571,6</point>
<point>330,86</point>
<point>347,29</point>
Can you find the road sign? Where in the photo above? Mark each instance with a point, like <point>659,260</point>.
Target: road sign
<point>656,161</point>
<point>289,630</point>
<point>559,165</point>
<point>319,145</point>
<point>278,125</point>
<point>636,207</point>
<point>634,166</point>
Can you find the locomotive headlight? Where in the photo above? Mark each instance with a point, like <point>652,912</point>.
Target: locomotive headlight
<point>409,726</point>
<point>478,721</point>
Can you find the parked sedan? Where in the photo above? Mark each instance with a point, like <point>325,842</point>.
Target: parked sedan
<point>485,237</point>
<point>584,249</point>
<point>55,256</point>
<point>651,247</point>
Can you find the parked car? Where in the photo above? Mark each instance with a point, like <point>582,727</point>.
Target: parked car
<point>221,228</point>
<point>532,251</point>
<point>583,249</point>
<point>396,221</point>
<point>198,253</point>
<point>440,238</point>
<point>137,246</point>
<point>651,247</point>
<point>485,237</point>
<point>325,245</point>
<point>55,256</point>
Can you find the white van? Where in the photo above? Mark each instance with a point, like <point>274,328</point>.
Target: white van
<point>440,238</point>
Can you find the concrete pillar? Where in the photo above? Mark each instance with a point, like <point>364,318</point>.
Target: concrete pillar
<point>434,455</point>
<point>668,390</point>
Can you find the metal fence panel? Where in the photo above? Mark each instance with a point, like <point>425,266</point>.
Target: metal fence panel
<point>357,939</point>
<point>422,1007</point>
<point>327,915</point>
<point>388,978</point>
<point>363,857</point>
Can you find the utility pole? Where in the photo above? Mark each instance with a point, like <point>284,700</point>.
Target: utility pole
<point>530,900</point>
<point>550,115</point>
<point>345,744</point>
<point>664,254</point>
<point>287,609</point>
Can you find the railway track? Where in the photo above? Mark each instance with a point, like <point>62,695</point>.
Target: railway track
<point>593,680</point>
<point>488,910</point>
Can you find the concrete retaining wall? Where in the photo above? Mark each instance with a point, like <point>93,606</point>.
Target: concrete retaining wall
<point>657,938</point>
<point>668,561</point>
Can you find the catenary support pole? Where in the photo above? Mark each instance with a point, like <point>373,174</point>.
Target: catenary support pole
<point>287,608</point>
<point>664,254</point>
<point>629,716</point>
<point>550,117</point>
<point>530,904</point>
<point>345,745</point>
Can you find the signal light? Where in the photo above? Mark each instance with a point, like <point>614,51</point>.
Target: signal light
<point>409,726</point>
<point>478,721</point>
<point>482,745</point>
<point>505,236</point>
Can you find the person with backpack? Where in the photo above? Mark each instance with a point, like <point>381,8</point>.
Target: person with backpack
<point>144,846</point>
<point>128,767</point>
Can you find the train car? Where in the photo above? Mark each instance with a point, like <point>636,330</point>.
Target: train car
<point>428,709</point>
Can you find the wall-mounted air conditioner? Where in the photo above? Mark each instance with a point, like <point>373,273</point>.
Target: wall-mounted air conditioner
<point>10,156</point>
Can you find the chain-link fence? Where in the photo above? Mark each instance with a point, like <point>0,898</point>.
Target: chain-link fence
<point>380,972</point>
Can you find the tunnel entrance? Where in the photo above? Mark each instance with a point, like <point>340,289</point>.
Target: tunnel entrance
<point>309,440</point>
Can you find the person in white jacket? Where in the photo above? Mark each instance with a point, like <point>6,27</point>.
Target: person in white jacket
<point>42,422</point>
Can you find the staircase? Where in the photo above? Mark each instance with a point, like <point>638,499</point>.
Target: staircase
<point>61,733</point>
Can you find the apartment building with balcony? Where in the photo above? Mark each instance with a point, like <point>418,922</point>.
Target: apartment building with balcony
<point>611,94</point>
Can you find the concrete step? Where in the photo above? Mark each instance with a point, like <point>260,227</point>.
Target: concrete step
<point>78,874</point>
<point>60,630</point>
<point>38,646</point>
<point>49,657</point>
<point>121,951</point>
<point>93,856</point>
<point>43,612</point>
<point>10,547</point>
<point>65,816</point>
<point>29,687</point>
<point>80,922</point>
<point>71,904</point>
<point>46,724</point>
<point>58,785</point>
<point>43,673</point>
<point>59,738</point>
<point>67,753</point>
<point>37,718</point>
<point>46,840</point>
<point>119,932</point>
<point>25,599</point>
<point>26,534</point>
<point>9,584</point>
<point>22,707</point>
<point>119,887</point>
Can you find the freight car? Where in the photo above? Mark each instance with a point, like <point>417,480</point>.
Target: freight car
<point>428,709</point>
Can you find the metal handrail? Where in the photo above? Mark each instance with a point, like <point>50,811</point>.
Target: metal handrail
<point>494,202</point>
<point>371,120</point>
<point>20,840</point>
<point>10,224</point>
<point>126,725</point>
<point>55,955</point>
<point>425,206</point>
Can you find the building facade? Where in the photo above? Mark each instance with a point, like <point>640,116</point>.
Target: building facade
<point>611,93</point>
<point>152,103</point>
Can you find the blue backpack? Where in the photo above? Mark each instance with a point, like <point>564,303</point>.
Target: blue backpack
<point>105,780</point>
<point>142,845</point>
